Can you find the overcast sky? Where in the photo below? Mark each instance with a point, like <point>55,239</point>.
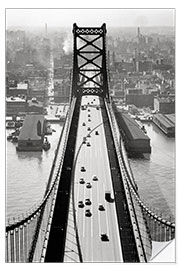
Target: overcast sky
<point>90,17</point>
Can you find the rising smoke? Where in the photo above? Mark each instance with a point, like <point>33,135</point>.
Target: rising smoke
<point>68,45</point>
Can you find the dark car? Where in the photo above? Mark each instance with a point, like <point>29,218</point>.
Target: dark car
<point>89,129</point>
<point>87,202</point>
<point>88,185</point>
<point>96,132</point>
<point>88,144</point>
<point>95,178</point>
<point>104,237</point>
<point>83,124</point>
<point>80,204</point>
<point>101,207</point>
<point>83,169</point>
<point>81,181</point>
<point>89,120</point>
<point>88,213</point>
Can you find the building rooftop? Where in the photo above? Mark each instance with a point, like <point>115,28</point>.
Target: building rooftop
<point>15,99</point>
<point>164,120</point>
<point>166,99</point>
<point>133,130</point>
<point>171,117</point>
<point>35,102</point>
<point>29,128</point>
<point>22,86</point>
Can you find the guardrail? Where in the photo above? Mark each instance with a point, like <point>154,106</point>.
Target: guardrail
<point>141,233</point>
<point>160,229</point>
<point>26,238</point>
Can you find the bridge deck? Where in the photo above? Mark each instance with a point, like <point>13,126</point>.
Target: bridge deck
<point>95,160</point>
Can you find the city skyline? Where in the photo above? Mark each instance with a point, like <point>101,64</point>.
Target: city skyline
<point>90,17</point>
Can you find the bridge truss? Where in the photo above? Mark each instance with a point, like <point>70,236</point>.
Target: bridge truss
<point>89,62</point>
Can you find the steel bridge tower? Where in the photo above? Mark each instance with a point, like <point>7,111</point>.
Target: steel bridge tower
<point>89,62</point>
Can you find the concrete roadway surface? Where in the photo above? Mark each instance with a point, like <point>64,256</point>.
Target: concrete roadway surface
<point>94,158</point>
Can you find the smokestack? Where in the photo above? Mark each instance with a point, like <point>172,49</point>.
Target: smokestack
<point>139,32</point>
<point>46,29</point>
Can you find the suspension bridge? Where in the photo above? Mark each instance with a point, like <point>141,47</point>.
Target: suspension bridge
<point>91,210</point>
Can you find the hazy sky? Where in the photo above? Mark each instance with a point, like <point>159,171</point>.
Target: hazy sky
<point>90,17</point>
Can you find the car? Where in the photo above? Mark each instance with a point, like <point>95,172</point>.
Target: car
<point>104,237</point>
<point>88,202</point>
<point>88,144</point>
<point>101,207</point>
<point>97,108</point>
<point>83,169</point>
<point>88,185</point>
<point>89,135</point>
<point>80,204</point>
<point>88,213</point>
<point>96,132</point>
<point>89,110</point>
<point>81,181</point>
<point>95,178</point>
<point>83,124</point>
<point>89,115</point>
<point>89,129</point>
<point>89,120</point>
<point>84,139</point>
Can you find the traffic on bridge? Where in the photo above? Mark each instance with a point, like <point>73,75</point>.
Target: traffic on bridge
<point>96,217</point>
<point>91,210</point>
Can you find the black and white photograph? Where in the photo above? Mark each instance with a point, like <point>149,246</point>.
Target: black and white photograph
<point>90,101</point>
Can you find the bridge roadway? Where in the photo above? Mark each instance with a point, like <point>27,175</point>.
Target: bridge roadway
<point>94,158</point>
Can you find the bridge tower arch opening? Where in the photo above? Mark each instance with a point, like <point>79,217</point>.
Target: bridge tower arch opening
<point>89,62</point>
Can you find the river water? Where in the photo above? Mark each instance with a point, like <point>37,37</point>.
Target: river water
<point>27,174</point>
<point>155,174</point>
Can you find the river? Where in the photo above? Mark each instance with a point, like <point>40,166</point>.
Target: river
<point>27,174</point>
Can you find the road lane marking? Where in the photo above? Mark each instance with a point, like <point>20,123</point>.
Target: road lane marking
<point>99,219</point>
<point>106,214</point>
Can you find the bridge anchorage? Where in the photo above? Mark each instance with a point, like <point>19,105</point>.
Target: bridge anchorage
<point>123,228</point>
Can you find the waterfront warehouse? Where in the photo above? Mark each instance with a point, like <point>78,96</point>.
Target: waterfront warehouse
<point>32,133</point>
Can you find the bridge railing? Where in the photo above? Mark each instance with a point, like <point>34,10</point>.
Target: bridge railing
<point>160,228</point>
<point>141,233</point>
<point>26,238</point>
